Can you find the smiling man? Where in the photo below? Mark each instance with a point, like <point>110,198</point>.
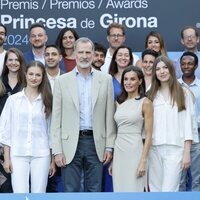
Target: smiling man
<point>190,41</point>
<point>190,179</point>
<point>83,130</point>
<point>37,38</point>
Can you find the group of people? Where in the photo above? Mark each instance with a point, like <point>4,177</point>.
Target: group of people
<point>105,119</point>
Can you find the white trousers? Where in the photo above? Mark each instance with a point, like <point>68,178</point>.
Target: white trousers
<point>35,167</point>
<point>165,168</point>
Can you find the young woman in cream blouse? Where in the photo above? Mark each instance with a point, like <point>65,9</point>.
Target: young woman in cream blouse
<point>172,129</point>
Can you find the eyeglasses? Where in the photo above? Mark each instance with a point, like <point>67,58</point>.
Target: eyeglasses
<point>189,37</point>
<point>116,35</point>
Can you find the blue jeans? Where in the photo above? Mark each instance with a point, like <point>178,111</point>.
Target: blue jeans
<point>190,179</point>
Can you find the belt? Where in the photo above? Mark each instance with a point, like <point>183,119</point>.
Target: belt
<point>86,133</point>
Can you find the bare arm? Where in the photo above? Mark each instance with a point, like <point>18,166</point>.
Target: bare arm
<point>147,110</point>
<point>186,155</point>
<point>7,165</point>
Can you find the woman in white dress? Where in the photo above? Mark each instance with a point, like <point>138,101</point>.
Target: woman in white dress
<point>172,129</point>
<point>134,113</point>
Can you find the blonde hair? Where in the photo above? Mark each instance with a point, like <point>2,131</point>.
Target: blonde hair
<point>2,88</point>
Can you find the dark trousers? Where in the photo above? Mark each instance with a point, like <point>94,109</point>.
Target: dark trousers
<point>85,160</point>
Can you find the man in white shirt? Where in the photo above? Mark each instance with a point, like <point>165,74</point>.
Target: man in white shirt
<point>190,180</point>
<point>116,38</point>
<point>52,56</point>
<point>3,32</point>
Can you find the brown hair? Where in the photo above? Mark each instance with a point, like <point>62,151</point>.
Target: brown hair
<point>163,50</point>
<point>176,90</point>
<point>2,88</point>
<point>113,65</point>
<point>115,25</point>
<point>20,74</point>
<point>44,88</point>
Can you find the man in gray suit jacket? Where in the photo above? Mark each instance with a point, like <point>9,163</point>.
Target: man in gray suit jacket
<point>83,130</point>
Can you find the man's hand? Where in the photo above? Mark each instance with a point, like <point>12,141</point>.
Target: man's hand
<point>60,160</point>
<point>107,157</point>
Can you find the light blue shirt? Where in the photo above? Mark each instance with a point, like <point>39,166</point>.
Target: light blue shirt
<point>195,88</point>
<point>85,99</point>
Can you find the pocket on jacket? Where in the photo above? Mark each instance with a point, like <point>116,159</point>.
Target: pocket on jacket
<point>64,137</point>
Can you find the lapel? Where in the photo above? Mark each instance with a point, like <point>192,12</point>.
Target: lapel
<point>73,89</point>
<point>96,83</point>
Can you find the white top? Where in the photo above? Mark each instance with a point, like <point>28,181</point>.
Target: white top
<point>108,58</point>
<point>52,79</point>
<point>2,56</point>
<point>23,126</point>
<point>170,126</point>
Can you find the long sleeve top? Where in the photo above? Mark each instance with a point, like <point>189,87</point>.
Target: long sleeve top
<point>170,126</point>
<point>24,127</point>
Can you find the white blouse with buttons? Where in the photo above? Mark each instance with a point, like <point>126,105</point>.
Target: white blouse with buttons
<point>170,126</point>
<point>24,127</point>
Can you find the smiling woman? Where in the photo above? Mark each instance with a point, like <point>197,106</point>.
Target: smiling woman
<point>173,128</point>
<point>134,113</point>
<point>13,74</point>
<point>24,128</point>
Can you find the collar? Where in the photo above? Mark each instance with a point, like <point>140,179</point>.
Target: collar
<point>195,82</point>
<point>51,77</point>
<point>77,71</point>
<point>22,94</point>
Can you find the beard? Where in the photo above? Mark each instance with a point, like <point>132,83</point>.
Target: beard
<point>84,65</point>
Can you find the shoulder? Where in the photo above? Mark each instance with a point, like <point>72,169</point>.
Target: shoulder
<point>66,76</point>
<point>102,75</point>
<point>15,97</point>
<point>147,105</point>
<point>147,102</point>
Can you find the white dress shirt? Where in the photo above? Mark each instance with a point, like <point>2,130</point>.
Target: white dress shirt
<point>52,79</point>
<point>170,126</point>
<point>24,127</point>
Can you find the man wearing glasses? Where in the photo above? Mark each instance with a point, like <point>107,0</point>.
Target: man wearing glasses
<point>190,41</point>
<point>115,37</point>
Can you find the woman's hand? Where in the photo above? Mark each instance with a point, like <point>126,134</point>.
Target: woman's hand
<point>7,165</point>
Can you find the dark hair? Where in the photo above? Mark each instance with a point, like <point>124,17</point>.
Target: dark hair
<point>141,89</point>
<point>99,47</point>
<point>2,25</point>
<point>189,27</point>
<point>44,87</point>
<point>37,25</point>
<point>60,38</point>
<point>149,52</point>
<point>116,25</point>
<point>53,46</point>
<point>20,57</point>
<point>163,50</point>
<point>113,65</point>
<point>176,90</point>
<point>189,53</point>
